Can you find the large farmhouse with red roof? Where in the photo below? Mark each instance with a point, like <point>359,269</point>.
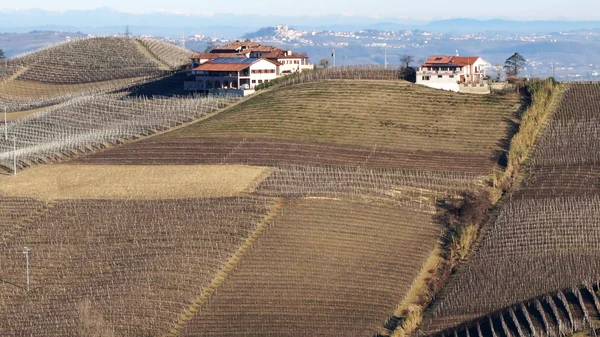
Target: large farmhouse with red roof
<point>243,65</point>
<point>455,73</point>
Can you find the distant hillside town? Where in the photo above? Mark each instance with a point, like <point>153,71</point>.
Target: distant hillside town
<point>243,66</point>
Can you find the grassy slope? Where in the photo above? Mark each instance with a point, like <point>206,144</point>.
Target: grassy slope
<point>389,114</point>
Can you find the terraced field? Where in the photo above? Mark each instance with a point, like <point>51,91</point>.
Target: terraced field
<point>537,270</point>
<point>338,123</point>
<point>117,268</point>
<point>327,267</point>
<point>84,67</point>
<point>328,240</point>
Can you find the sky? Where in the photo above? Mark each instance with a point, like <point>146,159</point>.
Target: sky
<point>422,10</point>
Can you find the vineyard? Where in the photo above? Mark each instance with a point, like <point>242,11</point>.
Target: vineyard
<point>91,122</point>
<point>536,271</point>
<point>326,267</point>
<point>125,268</point>
<point>84,67</point>
<point>88,60</point>
<point>338,123</point>
<point>310,208</point>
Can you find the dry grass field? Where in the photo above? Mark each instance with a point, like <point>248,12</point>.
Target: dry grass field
<point>349,123</point>
<point>115,267</point>
<point>537,271</point>
<point>326,268</point>
<point>146,182</point>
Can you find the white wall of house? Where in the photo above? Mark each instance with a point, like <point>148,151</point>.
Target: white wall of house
<point>289,65</point>
<point>262,71</point>
<point>445,82</point>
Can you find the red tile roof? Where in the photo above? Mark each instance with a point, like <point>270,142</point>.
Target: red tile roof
<point>450,60</point>
<point>216,66</point>
<point>212,56</point>
<point>465,60</point>
<point>238,44</point>
<point>208,66</point>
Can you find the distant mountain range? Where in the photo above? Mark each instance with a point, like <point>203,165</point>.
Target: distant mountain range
<point>108,21</point>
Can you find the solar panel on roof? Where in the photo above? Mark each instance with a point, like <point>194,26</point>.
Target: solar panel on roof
<point>438,58</point>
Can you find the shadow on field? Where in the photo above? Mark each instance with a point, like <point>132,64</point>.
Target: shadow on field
<point>168,86</point>
<point>512,127</point>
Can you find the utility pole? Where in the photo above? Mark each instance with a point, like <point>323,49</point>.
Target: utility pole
<point>333,55</point>
<point>385,58</point>
<point>26,252</point>
<point>5,126</point>
<point>343,58</point>
<point>553,71</point>
<point>14,155</point>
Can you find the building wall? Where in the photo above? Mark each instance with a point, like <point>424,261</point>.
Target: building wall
<point>444,83</point>
<point>258,78</point>
<point>475,88</point>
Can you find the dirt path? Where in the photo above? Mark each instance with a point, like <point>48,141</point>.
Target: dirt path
<point>15,75</point>
<point>148,54</point>
<point>261,228</point>
<point>13,116</point>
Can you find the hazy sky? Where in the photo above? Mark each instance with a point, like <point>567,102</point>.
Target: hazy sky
<point>428,9</point>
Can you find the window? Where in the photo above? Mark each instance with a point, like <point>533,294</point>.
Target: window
<point>266,81</point>
<point>259,81</point>
<point>253,81</point>
<point>425,78</point>
<point>451,76</point>
<point>438,58</point>
<point>440,76</point>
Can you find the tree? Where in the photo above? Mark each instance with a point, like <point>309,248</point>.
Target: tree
<point>2,54</point>
<point>324,63</point>
<point>406,60</point>
<point>210,46</point>
<point>514,64</point>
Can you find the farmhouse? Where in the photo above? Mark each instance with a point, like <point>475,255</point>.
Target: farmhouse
<point>243,65</point>
<point>235,73</point>
<point>455,73</point>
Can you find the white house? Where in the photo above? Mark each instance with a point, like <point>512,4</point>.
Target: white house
<point>233,73</point>
<point>455,73</point>
<point>243,65</point>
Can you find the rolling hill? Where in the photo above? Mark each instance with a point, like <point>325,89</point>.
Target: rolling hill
<point>85,66</point>
<point>330,207</point>
<point>536,271</point>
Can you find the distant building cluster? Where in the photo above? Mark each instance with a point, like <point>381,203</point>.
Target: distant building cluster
<point>243,65</point>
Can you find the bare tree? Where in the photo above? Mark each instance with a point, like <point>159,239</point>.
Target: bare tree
<point>210,46</point>
<point>324,63</point>
<point>406,60</point>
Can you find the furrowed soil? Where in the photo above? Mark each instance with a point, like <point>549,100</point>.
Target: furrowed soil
<point>370,123</point>
<point>536,271</point>
<point>116,267</point>
<point>326,268</point>
<point>52,182</point>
